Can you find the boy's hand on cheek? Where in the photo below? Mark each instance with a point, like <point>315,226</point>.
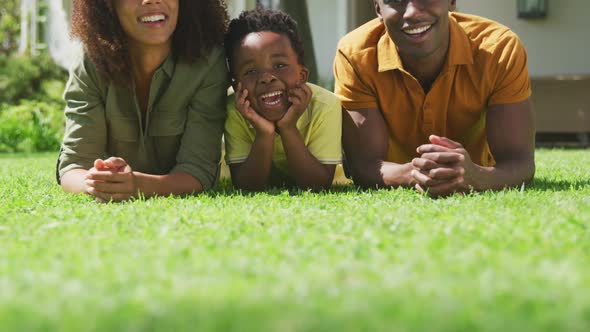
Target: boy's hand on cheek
<point>259,123</point>
<point>300,97</point>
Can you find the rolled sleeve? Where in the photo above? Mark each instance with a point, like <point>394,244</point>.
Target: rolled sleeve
<point>238,136</point>
<point>200,150</point>
<point>325,142</point>
<point>85,135</point>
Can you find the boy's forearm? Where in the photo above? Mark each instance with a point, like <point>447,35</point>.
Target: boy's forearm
<point>306,169</point>
<point>254,173</point>
<point>381,174</point>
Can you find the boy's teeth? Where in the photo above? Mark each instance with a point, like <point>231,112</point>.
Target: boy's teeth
<point>416,31</point>
<point>152,18</point>
<point>272,94</point>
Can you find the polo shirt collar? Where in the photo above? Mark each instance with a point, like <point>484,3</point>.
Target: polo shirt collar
<point>459,53</point>
<point>387,56</point>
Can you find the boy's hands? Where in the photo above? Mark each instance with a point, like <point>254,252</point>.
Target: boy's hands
<point>300,97</point>
<point>261,124</point>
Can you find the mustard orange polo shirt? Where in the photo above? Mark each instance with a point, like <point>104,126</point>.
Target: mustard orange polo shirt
<point>486,65</point>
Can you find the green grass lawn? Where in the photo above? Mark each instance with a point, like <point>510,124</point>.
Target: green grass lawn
<point>348,260</point>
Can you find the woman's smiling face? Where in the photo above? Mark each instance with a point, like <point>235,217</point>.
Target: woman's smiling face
<point>268,67</point>
<point>147,23</point>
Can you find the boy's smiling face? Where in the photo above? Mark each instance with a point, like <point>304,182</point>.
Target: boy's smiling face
<point>267,66</point>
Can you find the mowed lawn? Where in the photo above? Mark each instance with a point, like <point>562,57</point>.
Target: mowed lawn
<point>346,260</point>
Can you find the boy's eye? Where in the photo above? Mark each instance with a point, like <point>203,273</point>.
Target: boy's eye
<point>280,65</point>
<point>393,1</point>
<point>250,72</point>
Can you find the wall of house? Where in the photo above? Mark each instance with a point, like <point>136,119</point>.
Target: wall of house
<point>557,45</point>
<point>329,22</point>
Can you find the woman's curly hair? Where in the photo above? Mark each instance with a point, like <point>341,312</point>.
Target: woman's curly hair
<point>261,19</point>
<point>201,26</point>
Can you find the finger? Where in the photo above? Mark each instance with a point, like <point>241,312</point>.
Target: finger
<point>428,148</point>
<point>307,93</point>
<point>424,164</point>
<point>108,197</point>
<point>439,140</point>
<point>420,188</point>
<point>423,179</point>
<point>296,95</point>
<point>444,157</point>
<point>446,173</point>
<point>107,176</point>
<point>99,164</point>
<point>247,112</point>
<point>446,188</point>
<point>241,95</point>
<point>116,163</point>
<point>110,187</point>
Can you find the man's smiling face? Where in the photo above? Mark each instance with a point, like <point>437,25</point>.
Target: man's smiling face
<point>419,28</point>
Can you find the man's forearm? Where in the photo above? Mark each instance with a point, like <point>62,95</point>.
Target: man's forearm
<point>382,174</point>
<point>505,174</point>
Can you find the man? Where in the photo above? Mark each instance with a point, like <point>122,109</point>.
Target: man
<point>436,100</point>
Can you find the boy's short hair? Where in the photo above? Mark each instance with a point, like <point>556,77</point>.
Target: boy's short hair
<point>261,19</point>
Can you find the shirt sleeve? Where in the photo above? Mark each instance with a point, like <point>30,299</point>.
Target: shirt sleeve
<point>85,135</point>
<point>353,92</point>
<point>200,149</point>
<point>238,136</point>
<point>325,142</point>
<point>512,80</point>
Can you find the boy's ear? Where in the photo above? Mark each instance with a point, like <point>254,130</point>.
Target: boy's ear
<point>304,74</point>
<point>377,9</point>
<point>452,5</point>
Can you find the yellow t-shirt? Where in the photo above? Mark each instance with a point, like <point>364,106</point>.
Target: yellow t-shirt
<point>320,126</point>
<point>486,65</point>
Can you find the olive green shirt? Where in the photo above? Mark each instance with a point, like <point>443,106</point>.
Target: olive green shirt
<point>183,125</point>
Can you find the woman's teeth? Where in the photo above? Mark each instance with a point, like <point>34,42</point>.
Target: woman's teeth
<point>152,18</point>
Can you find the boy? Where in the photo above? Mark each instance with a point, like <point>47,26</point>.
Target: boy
<point>280,129</point>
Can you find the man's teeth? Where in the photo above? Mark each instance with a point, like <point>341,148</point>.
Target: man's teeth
<point>416,31</point>
<point>152,18</point>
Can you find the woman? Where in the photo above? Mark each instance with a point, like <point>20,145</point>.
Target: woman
<point>145,107</point>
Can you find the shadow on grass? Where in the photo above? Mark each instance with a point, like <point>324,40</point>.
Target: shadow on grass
<point>225,188</point>
<point>559,185</point>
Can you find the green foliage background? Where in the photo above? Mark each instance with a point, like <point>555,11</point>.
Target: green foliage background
<point>30,105</point>
<point>9,25</point>
<point>30,90</point>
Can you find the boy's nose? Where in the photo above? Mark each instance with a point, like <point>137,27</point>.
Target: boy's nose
<point>266,77</point>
